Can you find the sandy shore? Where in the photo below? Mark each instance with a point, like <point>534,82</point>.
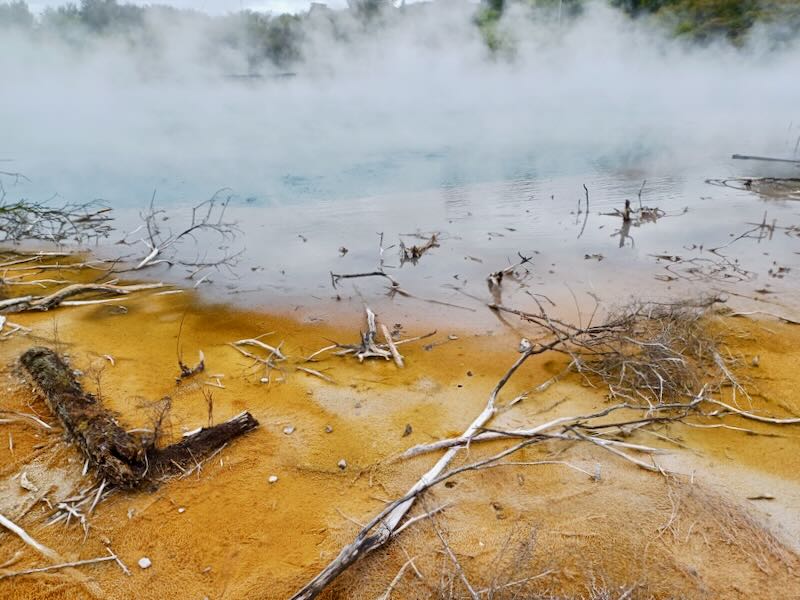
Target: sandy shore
<point>723,526</point>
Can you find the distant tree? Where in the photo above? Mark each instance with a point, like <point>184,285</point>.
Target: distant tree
<point>266,38</point>
<point>368,9</point>
<point>16,14</point>
<point>709,19</point>
<point>566,8</point>
<point>637,7</point>
<point>61,18</point>
<point>101,15</point>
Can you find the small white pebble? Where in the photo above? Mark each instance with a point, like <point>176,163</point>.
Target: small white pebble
<point>328,429</point>
<point>144,563</point>
<point>265,380</point>
<point>288,430</point>
<point>181,510</point>
<point>452,337</point>
<point>272,478</point>
<point>342,464</point>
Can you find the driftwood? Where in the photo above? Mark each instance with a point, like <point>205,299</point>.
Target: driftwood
<point>603,352</point>
<point>61,297</point>
<point>122,458</point>
<point>413,253</point>
<point>385,525</point>
<point>369,346</point>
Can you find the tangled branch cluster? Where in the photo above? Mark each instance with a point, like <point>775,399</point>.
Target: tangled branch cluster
<point>646,353</point>
<point>208,228</point>
<point>27,220</point>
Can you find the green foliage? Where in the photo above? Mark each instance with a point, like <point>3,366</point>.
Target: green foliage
<point>636,7</point>
<point>565,8</point>
<point>263,38</point>
<point>16,14</point>
<point>486,19</point>
<point>704,20</point>
<point>276,39</point>
<point>707,19</point>
<point>104,15</point>
<point>367,10</point>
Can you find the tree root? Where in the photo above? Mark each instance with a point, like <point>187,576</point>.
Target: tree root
<point>124,459</point>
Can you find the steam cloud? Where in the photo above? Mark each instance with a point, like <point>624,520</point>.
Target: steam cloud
<point>417,103</point>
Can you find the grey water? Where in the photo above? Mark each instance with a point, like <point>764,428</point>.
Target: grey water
<point>293,236</point>
<point>416,131</point>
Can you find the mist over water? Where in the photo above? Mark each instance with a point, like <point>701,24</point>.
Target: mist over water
<point>413,126</point>
<point>413,105</point>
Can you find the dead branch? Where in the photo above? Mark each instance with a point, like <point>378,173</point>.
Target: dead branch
<point>389,519</point>
<point>398,359</point>
<point>60,297</point>
<point>485,435</point>
<point>382,522</point>
<point>273,351</point>
<point>336,277</point>
<point>413,253</point>
<point>452,556</point>
<point>369,348</point>
<point>187,371</point>
<point>273,356</point>
<point>26,220</point>
<point>388,593</point>
<point>23,535</point>
<point>586,216</point>
<point>77,563</point>
<point>316,374</point>
<point>495,280</point>
<point>124,459</point>
<point>667,338</point>
<point>754,417</point>
<point>164,246</point>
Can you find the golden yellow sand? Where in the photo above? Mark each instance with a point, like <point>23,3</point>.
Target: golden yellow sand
<point>241,537</point>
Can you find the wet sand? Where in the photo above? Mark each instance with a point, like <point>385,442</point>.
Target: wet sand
<point>226,532</point>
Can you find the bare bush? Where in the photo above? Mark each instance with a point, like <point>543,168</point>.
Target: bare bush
<point>24,219</point>
<point>207,229</point>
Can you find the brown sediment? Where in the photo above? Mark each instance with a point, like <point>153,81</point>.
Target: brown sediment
<point>239,536</point>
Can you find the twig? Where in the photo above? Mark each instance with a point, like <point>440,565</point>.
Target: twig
<point>396,580</point>
<point>44,303</point>
<point>398,359</point>
<point>76,563</point>
<point>23,535</point>
<point>473,594</point>
<point>316,374</point>
<point>390,517</point>
<point>748,415</point>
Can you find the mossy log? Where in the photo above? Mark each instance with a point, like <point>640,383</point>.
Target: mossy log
<point>124,459</point>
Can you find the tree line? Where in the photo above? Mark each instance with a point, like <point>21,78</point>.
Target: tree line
<point>277,40</point>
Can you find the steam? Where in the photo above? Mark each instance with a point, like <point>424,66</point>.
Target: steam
<point>415,103</point>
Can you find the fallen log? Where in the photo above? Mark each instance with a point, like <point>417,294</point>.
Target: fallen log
<point>122,458</point>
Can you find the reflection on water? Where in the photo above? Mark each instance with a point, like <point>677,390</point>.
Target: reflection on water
<point>481,226</point>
